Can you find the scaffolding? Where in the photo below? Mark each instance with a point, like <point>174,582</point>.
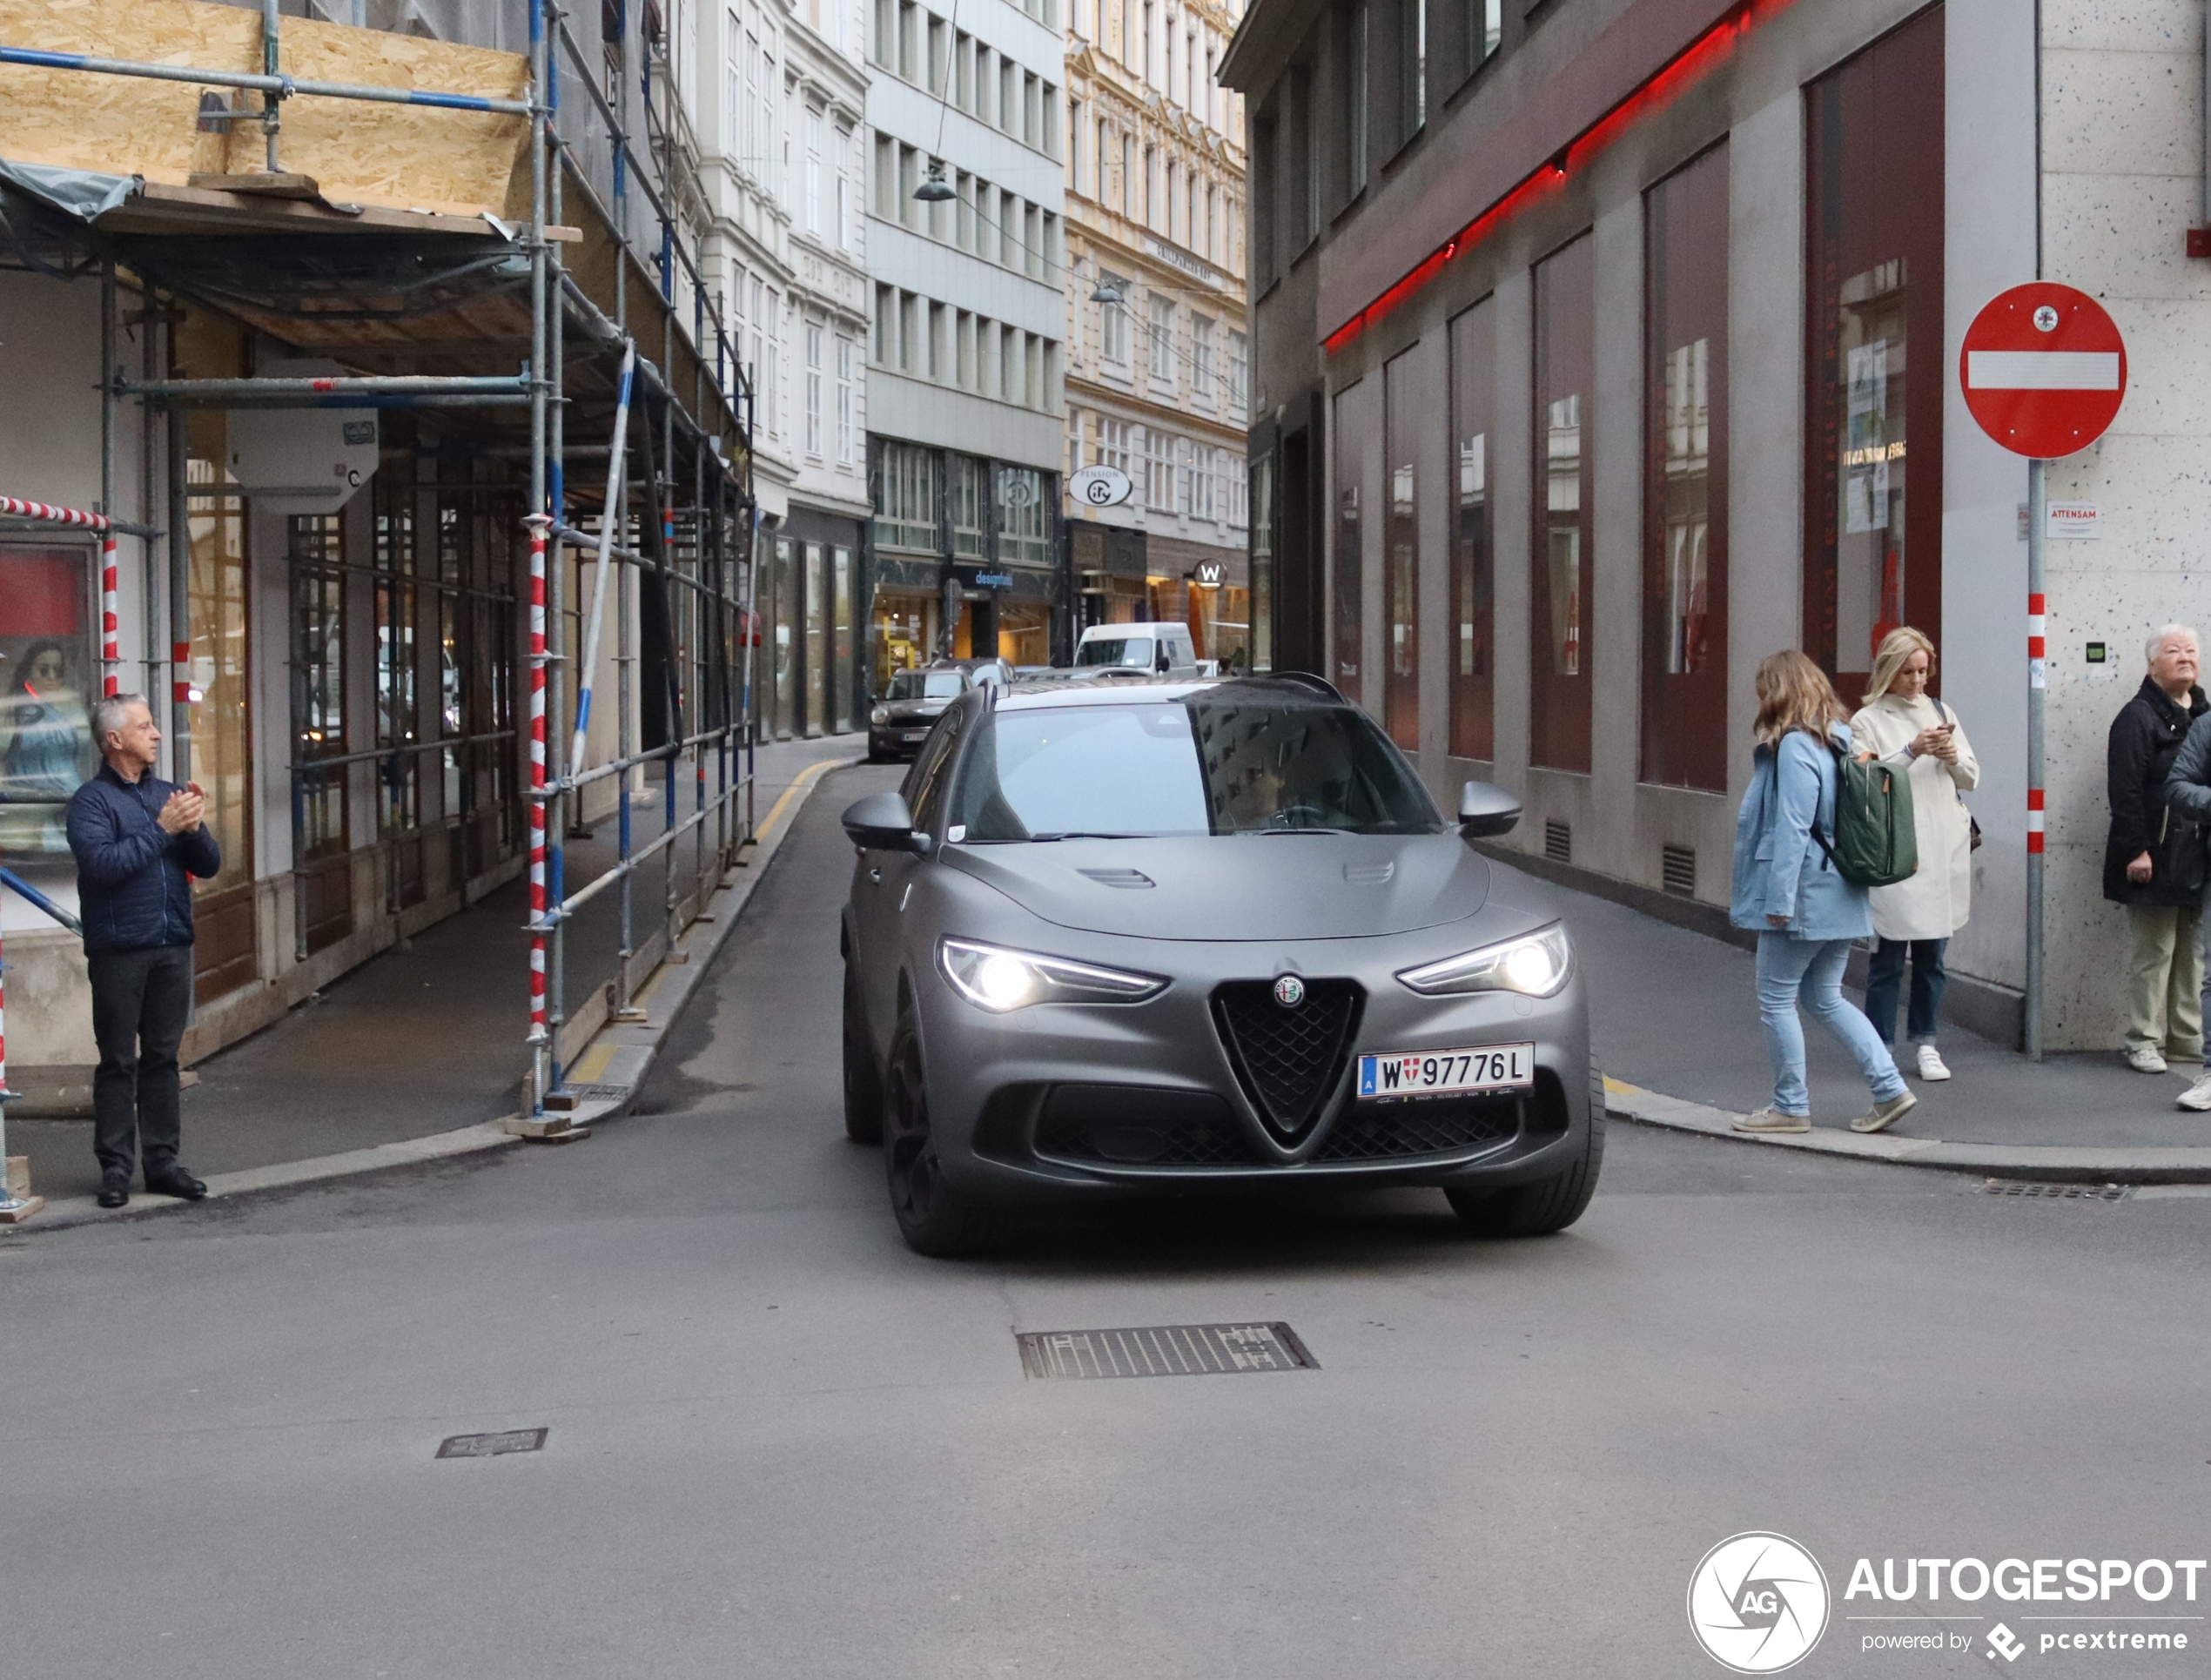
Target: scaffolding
<point>672,529</point>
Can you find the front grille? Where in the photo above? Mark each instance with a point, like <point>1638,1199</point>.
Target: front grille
<point>1440,1125</point>
<point>1289,1060</point>
<point>1141,1125</point>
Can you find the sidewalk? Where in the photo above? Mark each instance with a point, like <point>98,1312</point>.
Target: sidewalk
<point>1674,1012</point>
<point>415,1043</point>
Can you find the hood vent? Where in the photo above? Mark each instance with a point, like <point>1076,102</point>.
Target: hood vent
<point>1369,874</point>
<point>1131,878</point>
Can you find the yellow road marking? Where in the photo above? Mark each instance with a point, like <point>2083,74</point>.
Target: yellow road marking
<point>798,784</point>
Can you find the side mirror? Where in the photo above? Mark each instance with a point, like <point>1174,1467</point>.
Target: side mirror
<point>1485,810</point>
<point>881,823</point>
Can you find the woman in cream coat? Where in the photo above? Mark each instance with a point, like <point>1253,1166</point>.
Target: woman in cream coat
<point>1901,725</point>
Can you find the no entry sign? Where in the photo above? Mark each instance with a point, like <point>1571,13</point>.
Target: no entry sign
<point>2044,370</point>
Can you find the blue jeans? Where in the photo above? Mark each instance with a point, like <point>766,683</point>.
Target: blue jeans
<point>1810,970</point>
<point>1884,980</point>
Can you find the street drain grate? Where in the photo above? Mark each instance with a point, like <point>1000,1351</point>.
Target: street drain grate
<point>507,1440</point>
<point>2056,1192</point>
<point>1170,1350</point>
<point>594,1093</point>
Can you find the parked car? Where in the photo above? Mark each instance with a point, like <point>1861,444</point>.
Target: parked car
<point>1152,936</point>
<point>1136,649</point>
<point>901,717</point>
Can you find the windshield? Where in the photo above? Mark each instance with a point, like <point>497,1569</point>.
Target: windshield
<point>1132,650</point>
<point>925,685</point>
<point>1220,762</point>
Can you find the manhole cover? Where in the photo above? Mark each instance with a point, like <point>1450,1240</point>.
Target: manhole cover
<point>1171,1350</point>
<point>507,1440</point>
<point>2056,1192</point>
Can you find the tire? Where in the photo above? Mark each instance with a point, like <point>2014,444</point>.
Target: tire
<point>935,1219</point>
<point>1547,1205</point>
<point>863,1079</point>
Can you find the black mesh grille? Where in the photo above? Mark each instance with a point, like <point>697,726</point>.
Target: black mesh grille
<point>1141,1125</point>
<point>1442,1126</point>
<point>1288,1059</point>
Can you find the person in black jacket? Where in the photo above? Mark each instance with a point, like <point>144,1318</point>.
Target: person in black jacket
<point>2164,969</point>
<point>139,841</point>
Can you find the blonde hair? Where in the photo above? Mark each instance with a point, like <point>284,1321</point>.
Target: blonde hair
<point>1794,694</point>
<point>1893,654</point>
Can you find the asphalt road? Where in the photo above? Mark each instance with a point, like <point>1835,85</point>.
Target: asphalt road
<point>782,1446</point>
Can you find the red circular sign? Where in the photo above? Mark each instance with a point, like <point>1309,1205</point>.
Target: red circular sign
<point>2044,369</point>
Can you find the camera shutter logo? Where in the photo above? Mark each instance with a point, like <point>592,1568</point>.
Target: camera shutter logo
<point>1758,1603</point>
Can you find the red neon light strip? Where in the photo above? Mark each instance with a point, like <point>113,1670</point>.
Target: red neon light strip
<point>1694,61</point>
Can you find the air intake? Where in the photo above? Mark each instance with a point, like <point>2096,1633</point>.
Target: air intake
<point>1677,870</point>
<point>1558,843</point>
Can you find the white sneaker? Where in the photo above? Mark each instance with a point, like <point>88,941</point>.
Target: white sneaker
<point>1931,1066</point>
<point>2197,1096</point>
<point>2144,1058</point>
<point>1770,1120</point>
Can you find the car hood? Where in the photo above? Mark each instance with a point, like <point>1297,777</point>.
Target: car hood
<point>1249,886</point>
<point>913,711</point>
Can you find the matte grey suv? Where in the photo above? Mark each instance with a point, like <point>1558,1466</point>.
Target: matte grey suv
<point>1159,936</point>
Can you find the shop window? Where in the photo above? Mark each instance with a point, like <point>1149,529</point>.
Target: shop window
<point>50,676</point>
<point>1474,611</point>
<point>1559,616</point>
<point>1261,473</point>
<point>1025,629</point>
<point>225,955</point>
<point>785,634</point>
<point>399,807</point>
<point>904,633</point>
<point>1348,577</point>
<point>314,547</point>
<point>1874,281</point>
<point>817,645</point>
<point>840,634</point>
<point>1684,505</point>
<point>1401,557</point>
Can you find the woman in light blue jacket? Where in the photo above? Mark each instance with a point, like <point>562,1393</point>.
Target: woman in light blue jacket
<point>1787,887</point>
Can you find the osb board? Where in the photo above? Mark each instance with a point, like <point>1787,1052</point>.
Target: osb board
<point>408,157</point>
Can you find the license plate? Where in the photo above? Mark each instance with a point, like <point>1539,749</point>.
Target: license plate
<point>917,735</point>
<point>1447,1072</point>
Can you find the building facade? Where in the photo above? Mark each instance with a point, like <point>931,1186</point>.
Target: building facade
<point>965,363</point>
<point>1619,340</point>
<point>785,176</point>
<point>1158,363</point>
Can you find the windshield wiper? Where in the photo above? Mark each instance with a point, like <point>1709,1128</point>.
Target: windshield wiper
<point>1086,834</point>
<point>1299,830</point>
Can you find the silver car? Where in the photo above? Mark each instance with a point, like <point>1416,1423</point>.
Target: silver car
<point>1169,937</point>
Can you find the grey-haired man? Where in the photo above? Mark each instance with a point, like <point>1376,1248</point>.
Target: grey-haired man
<point>138,841</point>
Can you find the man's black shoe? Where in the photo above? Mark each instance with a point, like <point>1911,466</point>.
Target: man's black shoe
<point>175,1182</point>
<point>114,1193</point>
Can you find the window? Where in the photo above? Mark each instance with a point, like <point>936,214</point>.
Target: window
<point>1201,381</point>
<point>1162,333</point>
<point>1415,62</point>
<point>1261,518</point>
<point>771,376</point>
<point>814,172</point>
<point>399,803</point>
<point>1238,373</point>
<point>886,177</point>
<point>1474,612</point>
<point>1113,443</point>
<point>813,388</point>
<point>1146,72</point>
<point>1075,160</point>
<point>886,324</point>
<point>1113,321</point>
<point>1559,611</point>
<point>48,654</point>
<point>1684,577</point>
<point>1204,468</point>
<point>315,546</point>
<point>909,41</point>
<point>1874,206</point>
<point>1354,98</point>
<point>844,189</point>
<point>905,497</point>
<point>1401,555</point>
<point>1151,186</point>
<point>1024,522</point>
<point>1485,29</point>
<point>970,526</point>
<point>1128,174</point>
<point>1159,470</point>
<point>1354,423</point>
<point>847,432</point>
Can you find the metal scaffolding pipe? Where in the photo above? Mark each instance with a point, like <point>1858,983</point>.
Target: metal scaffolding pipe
<point>397,384</point>
<point>283,87</point>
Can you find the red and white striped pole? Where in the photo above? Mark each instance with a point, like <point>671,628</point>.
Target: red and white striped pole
<point>541,1040</point>
<point>111,641</point>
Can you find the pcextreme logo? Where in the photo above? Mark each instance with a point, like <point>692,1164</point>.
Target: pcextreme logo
<point>1758,1603</point>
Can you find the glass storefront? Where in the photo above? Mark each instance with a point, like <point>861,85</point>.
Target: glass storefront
<point>1024,632</point>
<point>1559,616</point>
<point>1401,559</point>
<point>1684,571</point>
<point>841,633</point>
<point>49,676</point>
<point>905,634</point>
<point>816,643</point>
<point>1474,611</point>
<point>1350,559</point>
<point>1263,528</point>
<point>1874,132</point>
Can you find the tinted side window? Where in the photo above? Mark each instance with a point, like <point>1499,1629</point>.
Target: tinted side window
<point>925,783</point>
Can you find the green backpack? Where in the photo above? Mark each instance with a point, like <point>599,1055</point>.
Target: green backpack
<point>1875,845</point>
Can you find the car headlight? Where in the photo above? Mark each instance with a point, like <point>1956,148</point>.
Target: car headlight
<point>992,978</point>
<point>1536,964</point>
<point>880,714</point>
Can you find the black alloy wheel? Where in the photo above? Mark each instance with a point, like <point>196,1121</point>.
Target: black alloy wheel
<point>934,1218</point>
<point>863,1079</point>
<point>1547,1205</point>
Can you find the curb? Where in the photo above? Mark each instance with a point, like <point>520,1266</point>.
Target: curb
<point>623,1054</point>
<point>2043,1162</point>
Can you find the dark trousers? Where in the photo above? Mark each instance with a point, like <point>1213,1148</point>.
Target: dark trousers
<point>1884,978</point>
<point>140,1000</point>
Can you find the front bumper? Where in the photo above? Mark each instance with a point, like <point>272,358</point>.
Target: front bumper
<point>1092,1098</point>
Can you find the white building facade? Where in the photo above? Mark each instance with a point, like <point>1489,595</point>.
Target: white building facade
<point>965,364</point>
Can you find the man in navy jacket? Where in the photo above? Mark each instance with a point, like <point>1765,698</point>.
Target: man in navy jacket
<point>138,841</point>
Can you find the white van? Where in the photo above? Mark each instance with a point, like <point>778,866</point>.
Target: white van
<point>1158,649</point>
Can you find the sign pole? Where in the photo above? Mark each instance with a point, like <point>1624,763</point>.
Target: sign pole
<point>2037,687</point>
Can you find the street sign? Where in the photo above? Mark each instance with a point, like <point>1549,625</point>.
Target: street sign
<point>1100,486</point>
<point>2043,369</point>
